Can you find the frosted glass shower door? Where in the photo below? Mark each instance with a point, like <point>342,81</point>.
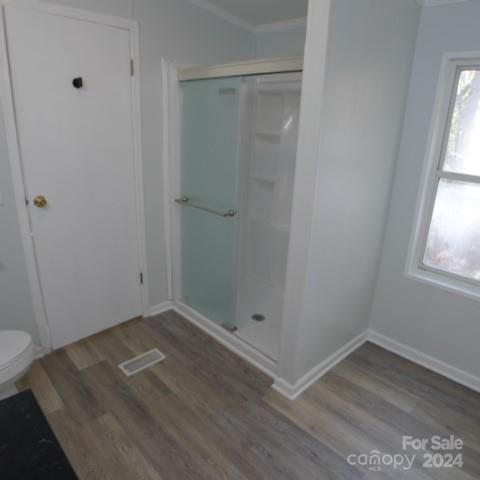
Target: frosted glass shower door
<point>209,180</point>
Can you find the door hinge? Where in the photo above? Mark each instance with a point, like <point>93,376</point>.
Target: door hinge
<point>132,67</point>
<point>141,278</point>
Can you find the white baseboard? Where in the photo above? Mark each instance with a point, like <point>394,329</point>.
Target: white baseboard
<point>292,391</point>
<point>160,308</point>
<point>40,352</point>
<point>295,390</point>
<point>253,356</point>
<point>437,366</point>
<point>227,339</point>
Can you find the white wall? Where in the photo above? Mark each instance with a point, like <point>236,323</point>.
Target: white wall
<point>285,42</point>
<point>174,29</point>
<point>369,54</point>
<point>441,324</point>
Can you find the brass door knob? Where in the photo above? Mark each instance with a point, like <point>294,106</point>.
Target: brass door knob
<point>40,201</point>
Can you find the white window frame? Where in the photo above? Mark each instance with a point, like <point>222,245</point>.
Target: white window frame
<point>452,65</point>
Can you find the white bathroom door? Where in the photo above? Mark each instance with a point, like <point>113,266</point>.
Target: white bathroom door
<point>72,89</point>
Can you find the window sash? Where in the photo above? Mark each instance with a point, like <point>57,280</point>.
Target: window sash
<point>440,174</point>
<point>448,122</point>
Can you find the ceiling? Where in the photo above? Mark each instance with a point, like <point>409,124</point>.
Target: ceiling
<point>257,12</point>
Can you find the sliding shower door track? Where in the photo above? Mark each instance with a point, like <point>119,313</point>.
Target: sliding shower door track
<point>230,340</point>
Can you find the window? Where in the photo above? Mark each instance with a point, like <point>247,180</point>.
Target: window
<point>450,244</point>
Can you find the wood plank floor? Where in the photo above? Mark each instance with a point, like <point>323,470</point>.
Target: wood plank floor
<point>204,413</point>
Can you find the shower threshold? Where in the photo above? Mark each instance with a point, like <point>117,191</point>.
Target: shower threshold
<point>252,345</point>
<point>230,328</point>
<point>232,340</point>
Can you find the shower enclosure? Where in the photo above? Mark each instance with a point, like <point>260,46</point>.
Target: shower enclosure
<point>238,150</point>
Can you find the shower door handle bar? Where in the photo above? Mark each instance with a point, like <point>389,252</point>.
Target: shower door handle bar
<point>221,213</point>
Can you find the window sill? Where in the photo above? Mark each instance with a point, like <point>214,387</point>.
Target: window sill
<point>444,282</point>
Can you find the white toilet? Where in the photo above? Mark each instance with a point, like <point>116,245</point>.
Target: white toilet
<point>17,353</point>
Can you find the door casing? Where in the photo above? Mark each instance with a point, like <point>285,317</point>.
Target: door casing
<point>16,162</point>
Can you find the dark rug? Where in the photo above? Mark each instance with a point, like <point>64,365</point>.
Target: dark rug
<point>29,449</point>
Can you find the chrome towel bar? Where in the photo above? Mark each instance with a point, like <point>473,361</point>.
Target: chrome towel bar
<point>221,213</point>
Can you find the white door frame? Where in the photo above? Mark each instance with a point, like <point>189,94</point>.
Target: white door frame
<point>6,97</point>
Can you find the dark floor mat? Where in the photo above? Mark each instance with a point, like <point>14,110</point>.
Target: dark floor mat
<point>29,449</point>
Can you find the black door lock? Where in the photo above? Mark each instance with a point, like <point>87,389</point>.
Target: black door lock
<point>78,82</point>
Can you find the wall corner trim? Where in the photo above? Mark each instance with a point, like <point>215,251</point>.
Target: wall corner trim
<point>455,374</point>
<point>293,391</point>
<point>438,366</point>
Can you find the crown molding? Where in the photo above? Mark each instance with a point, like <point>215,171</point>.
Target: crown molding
<point>222,13</point>
<point>436,3</point>
<point>279,26</point>
<point>240,22</point>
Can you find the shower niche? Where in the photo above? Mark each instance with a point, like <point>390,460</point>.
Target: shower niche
<point>238,137</point>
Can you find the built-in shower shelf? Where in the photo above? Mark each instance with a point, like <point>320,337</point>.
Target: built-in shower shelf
<point>280,226</point>
<point>265,181</point>
<point>260,220</point>
<point>227,90</point>
<point>284,227</point>
<point>272,135</point>
<point>278,89</point>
